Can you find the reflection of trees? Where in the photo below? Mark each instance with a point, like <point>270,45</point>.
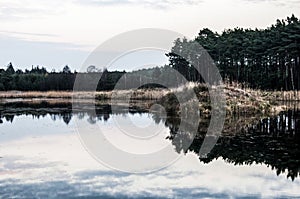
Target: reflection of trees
<point>271,141</point>
<point>67,117</point>
<point>63,111</point>
<point>9,118</point>
<point>103,112</point>
<point>80,115</point>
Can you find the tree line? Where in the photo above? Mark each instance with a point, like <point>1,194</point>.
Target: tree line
<point>267,59</point>
<point>36,79</point>
<point>39,79</point>
<point>262,58</point>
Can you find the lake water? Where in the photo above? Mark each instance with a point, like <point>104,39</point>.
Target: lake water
<point>42,156</point>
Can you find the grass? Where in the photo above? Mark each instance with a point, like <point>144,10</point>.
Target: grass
<point>140,94</point>
<point>35,94</point>
<point>239,99</point>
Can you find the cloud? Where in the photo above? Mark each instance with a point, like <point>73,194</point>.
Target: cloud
<point>27,33</point>
<point>12,12</point>
<point>157,4</point>
<point>24,53</point>
<point>277,2</point>
<point>16,9</point>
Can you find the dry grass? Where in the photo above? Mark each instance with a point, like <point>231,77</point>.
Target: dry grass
<point>238,97</point>
<point>141,94</point>
<point>33,94</point>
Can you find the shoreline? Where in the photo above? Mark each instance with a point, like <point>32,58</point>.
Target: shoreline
<point>244,107</point>
<point>238,100</point>
<point>141,94</point>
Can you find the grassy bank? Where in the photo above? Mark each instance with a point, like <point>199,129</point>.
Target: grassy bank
<point>238,99</point>
<point>141,94</point>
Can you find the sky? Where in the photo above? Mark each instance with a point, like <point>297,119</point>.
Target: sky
<point>58,33</point>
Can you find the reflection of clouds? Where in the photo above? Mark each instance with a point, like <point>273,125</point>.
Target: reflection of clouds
<point>108,184</point>
<point>63,189</point>
<point>16,163</point>
<point>184,179</point>
<point>55,189</point>
<point>56,165</point>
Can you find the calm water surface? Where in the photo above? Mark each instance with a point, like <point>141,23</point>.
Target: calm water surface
<point>42,157</point>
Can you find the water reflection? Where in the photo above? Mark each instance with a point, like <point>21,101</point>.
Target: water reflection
<point>237,163</point>
<point>64,111</point>
<point>273,141</point>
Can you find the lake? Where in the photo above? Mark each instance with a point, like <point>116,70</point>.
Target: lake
<point>42,155</point>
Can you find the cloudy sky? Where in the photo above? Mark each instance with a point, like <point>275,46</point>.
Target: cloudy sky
<point>55,33</point>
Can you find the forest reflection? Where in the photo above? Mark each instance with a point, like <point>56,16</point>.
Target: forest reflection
<point>64,111</point>
<point>273,141</point>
